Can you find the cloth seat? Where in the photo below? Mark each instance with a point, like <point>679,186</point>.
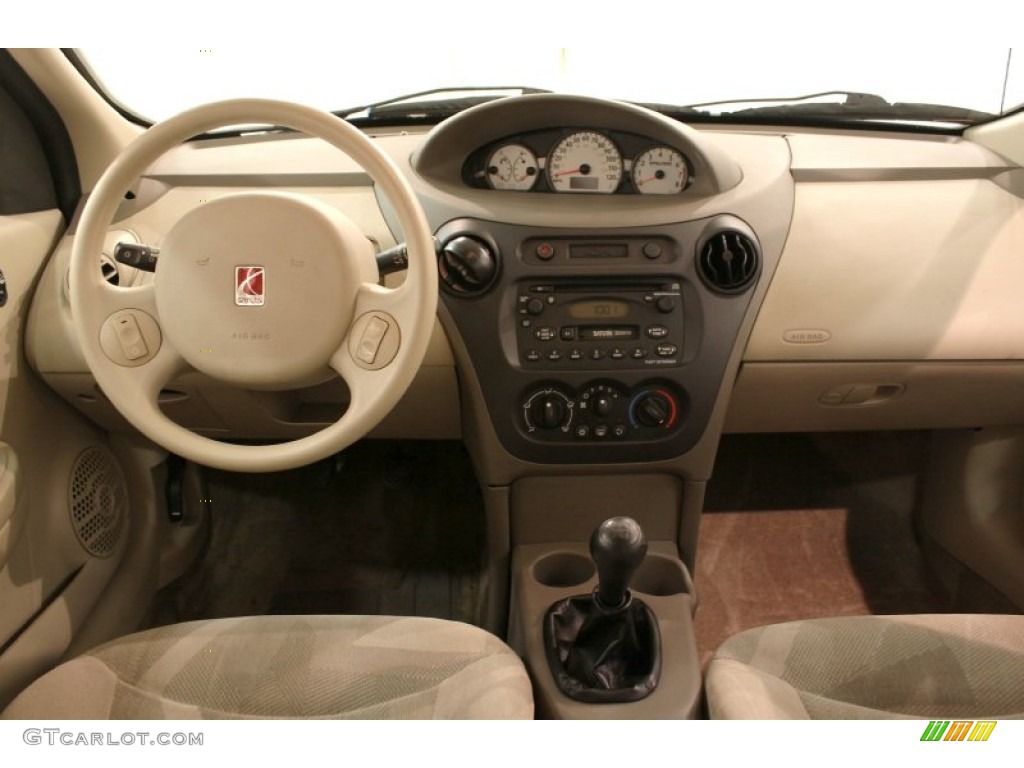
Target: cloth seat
<point>872,667</point>
<point>345,667</point>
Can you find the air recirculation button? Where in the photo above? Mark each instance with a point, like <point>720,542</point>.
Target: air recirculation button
<point>467,265</point>
<point>728,262</point>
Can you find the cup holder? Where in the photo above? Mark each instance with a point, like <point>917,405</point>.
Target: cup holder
<point>563,569</point>
<point>660,577</point>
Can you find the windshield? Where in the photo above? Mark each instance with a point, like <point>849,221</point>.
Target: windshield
<point>919,86</point>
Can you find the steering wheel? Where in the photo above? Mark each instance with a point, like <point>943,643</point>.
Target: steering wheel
<point>262,290</point>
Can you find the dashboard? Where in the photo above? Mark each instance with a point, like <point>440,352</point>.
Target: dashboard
<point>595,315</point>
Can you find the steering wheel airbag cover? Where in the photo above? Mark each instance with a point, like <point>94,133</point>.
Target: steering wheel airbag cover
<point>257,289</point>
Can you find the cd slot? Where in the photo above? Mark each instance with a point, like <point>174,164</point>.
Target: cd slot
<point>603,286</point>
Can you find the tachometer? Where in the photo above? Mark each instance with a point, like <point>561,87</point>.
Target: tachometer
<point>659,171</point>
<point>512,166</point>
<point>585,161</point>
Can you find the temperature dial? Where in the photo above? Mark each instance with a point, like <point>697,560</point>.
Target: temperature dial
<point>548,409</point>
<point>654,409</point>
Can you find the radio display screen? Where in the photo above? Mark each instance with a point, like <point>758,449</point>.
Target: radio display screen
<point>599,309</point>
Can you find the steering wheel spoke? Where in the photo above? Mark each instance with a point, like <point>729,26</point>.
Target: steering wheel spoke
<point>145,382</point>
<point>112,299</point>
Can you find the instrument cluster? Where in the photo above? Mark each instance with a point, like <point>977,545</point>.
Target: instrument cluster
<point>584,160</point>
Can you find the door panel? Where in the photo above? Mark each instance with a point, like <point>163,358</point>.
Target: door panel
<point>42,438</point>
<point>52,501</point>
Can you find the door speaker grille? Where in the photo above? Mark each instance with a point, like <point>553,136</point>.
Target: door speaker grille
<point>98,500</point>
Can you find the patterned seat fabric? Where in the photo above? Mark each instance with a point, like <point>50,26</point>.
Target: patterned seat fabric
<point>956,666</point>
<point>289,667</point>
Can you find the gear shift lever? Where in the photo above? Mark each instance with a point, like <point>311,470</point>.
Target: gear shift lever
<point>618,547</point>
<point>606,646</point>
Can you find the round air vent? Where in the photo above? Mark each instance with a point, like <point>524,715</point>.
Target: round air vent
<point>98,500</point>
<point>728,262</point>
<point>467,265</point>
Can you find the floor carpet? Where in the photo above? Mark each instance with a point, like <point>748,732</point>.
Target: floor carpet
<point>800,526</point>
<point>385,528</point>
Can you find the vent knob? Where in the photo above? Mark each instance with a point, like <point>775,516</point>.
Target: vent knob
<point>467,265</point>
<point>728,262</point>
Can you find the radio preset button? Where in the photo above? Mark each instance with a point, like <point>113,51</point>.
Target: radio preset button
<point>617,354</point>
<point>667,350</point>
<point>554,355</point>
<point>544,334</point>
<point>532,356</point>
<point>639,353</point>
<point>596,354</point>
<point>575,355</point>
<point>657,331</point>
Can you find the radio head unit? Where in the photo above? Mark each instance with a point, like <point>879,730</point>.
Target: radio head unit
<point>599,324</point>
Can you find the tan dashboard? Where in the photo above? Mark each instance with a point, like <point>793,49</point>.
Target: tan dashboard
<point>887,298</point>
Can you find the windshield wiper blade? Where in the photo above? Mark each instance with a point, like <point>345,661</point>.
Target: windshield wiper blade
<point>850,97</point>
<point>432,104</point>
<point>855,106</point>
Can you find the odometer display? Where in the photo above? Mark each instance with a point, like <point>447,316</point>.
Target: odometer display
<point>585,161</point>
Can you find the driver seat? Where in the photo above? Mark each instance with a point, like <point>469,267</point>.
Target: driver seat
<point>324,667</point>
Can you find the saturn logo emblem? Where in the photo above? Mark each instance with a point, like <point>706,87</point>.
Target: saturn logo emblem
<point>250,287</point>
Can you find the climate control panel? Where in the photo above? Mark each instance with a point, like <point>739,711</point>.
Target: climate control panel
<point>603,411</point>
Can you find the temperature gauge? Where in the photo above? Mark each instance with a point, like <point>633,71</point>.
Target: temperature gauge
<point>512,166</point>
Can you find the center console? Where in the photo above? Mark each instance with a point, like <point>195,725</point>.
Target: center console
<point>596,337</point>
<point>603,345</point>
<point>600,347</point>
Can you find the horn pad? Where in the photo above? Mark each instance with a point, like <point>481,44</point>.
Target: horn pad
<point>258,289</point>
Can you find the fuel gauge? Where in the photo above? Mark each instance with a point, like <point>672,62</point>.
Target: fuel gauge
<point>512,166</point>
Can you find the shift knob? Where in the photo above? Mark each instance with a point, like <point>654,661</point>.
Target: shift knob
<point>618,546</point>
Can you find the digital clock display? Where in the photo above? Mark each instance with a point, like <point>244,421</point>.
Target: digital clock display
<point>599,309</point>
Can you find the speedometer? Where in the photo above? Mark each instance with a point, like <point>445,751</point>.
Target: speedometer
<point>585,161</point>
